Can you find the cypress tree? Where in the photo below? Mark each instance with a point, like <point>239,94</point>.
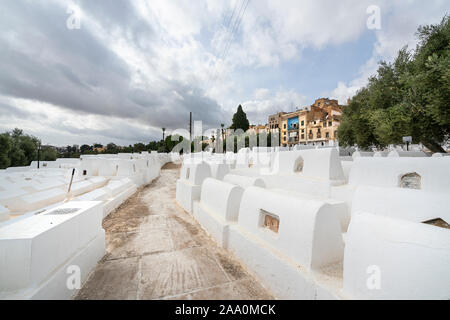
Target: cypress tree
<point>240,120</point>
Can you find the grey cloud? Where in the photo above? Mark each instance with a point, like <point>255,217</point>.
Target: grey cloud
<point>42,60</point>
<point>9,111</point>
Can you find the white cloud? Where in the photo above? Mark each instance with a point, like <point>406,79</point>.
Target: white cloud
<point>142,65</point>
<point>399,23</point>
<point>265,103</point>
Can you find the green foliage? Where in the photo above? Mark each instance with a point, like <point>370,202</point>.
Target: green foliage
<point>70,152</point>
<point>111,148</point>
<point>23,148</point>
<point>169,144</point>
<point>5,147</point>
<point>48,153</point>
<point>17,149</point>
<point>85,148</point>
<point>240,120</point>
<point>139,147</point>
<point>409,97</point>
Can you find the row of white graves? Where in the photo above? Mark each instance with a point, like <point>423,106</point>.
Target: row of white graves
<point>309,229</point>
<point>52,238</point>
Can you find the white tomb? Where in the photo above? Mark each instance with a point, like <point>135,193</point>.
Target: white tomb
<point>193,173</point>
<point>36,253</point>
<point>218,208</point>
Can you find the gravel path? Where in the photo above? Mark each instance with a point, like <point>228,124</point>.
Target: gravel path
<point>155,250</point>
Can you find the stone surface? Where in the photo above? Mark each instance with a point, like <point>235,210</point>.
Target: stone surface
<point>155,250</point>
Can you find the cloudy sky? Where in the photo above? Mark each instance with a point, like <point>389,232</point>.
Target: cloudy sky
<point>86,71</point>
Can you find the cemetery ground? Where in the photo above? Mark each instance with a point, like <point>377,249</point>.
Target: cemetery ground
<point>155,250</point>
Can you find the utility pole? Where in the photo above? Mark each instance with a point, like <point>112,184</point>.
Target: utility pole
<point>190,126</point>
<point>39,154</point>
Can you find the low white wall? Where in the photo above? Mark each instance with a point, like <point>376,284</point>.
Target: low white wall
<point>222,198</point>
<point>317,163</point>
<point>244,181</point>
<point>219,170</point>
<point>386,172</point>
<point>410,260</point>
<point>218,208</point>
<point>407,204</point>
<point>358,154</point>
<point>199,172</point>
<point>33,250</point>
<point>309,232</point>
<point>37,200</point>
<point>397,153</point>
<point>188,187</point>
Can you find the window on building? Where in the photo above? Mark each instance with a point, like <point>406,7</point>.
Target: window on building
<point>310,131</point>
<point>303,123</point>
<point>284,126</point>
<point>330,123</point>
<point>303,136</point>
<point>327,135</point>
<point>318,130</point>
<point>318,104</point>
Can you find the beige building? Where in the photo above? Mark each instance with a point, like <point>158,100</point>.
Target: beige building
<point>275,121</point>
<point>255,129</point>
<point>316,125</point>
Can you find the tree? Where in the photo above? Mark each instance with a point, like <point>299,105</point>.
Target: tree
<point>222,125</point>
<point>5,147</point>
<point>409,97</point>
<point>169,144</point>
<point>139,147</point>
<point>85,148</point>
<point>240,120</point>
<point>152,145</point>
<point>111,148</point>
<point>48,153</point>
<point>23,148</point>
<point>429,83</point>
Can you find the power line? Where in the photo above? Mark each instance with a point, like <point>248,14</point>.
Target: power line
<point>227,41</point>
<point>227,31</point>
<point>235,27</point>
<point>231,17</point>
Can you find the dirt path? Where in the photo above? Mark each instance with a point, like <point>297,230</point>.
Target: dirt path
<point>155,250</point>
